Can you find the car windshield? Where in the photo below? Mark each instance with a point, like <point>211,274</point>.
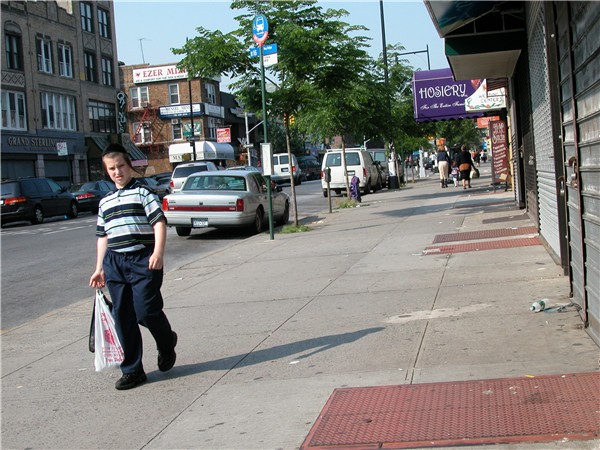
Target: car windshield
<point>10,189</point>
<point>82,187</point>
<point>335,159</point>
<point>214,183</point>
<point>379,156</point>
<point>182,172</point>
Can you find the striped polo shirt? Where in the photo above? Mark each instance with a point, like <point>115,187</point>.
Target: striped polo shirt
<point>127,217</point>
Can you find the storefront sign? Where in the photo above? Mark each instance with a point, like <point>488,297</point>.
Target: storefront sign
<point>224,135</point>
<point>484,122</point>
<point>438,97</point>
<point>214,110</point>
<point>153,74</point>
<point>499,150</point>
<point>482,100</point>
<point>166,112</point>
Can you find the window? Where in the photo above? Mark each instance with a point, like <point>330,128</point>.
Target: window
<point>103,23</point>
<point>13,111</point>
<point>138,96</point>
<point>14,51</point>
<point>174,94</point>
<point>89,60</point>
<point>44,54</point>
<point>211,94</point>
<point>107,72</point>
<point>103,118</point>
<point>65,61</point>
<point>177,131</point>
<point>87,20</point>
<point>143,134</point>
<point>212,127</point>
<point>58,112</point>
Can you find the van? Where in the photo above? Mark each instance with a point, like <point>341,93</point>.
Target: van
<point>281,169</point>
<point>182,171</point>
<point>380,158</point>
<point>359,163</point>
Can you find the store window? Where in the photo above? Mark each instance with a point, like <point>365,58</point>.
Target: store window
<point>87,19</point>
<point>14,51</point>
<point>103,23</point>
<point>44,54</point>
<point>58,112</point>
<point>211,94</point>
<point>103,118</point>
<point>107,72</point>
<point>212,127</point>
<point>89,62</point>
<point>138,96</point>
<point>174,94</point>
<point>13,111</point>
<point>65,60</point>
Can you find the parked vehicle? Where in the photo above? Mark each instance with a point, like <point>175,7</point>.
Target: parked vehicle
<point>359,163</point>
<point>310,166</point>
<point>88,194</point>
<point>282,169</point>
<point>227,198</point>
<point>182,171</point>
<point>250,168</point>
<point>381,161</point>
<point>160,189</point>
<point>34,199</point>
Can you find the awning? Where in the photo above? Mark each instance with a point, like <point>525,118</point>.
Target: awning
<point>205,150</point>
<point>138,158</point>
<point>438,97</point>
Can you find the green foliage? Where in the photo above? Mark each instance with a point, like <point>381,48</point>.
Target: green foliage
<point>347,203</point>
<point>287,229</point>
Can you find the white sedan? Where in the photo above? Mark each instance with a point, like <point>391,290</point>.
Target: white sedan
<point>228,198</point>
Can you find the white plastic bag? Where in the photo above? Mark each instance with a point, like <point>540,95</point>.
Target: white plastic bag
<point>109,352</point>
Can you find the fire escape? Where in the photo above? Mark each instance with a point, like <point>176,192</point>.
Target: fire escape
<point>148,121</point>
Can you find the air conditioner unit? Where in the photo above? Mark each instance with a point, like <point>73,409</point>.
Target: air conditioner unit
<point>174,121</point>
<point>145,104</point>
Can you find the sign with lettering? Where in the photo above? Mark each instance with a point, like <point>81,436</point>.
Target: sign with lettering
<point>499,150</point>
<point>61,148</point>
<point>166,112</point>
<point>152,74</point>
<point>224,135</point>
<point>437,96</point>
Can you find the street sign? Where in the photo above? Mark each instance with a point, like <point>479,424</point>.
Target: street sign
<point>260,29</point>
<point>187,129</point>
<point>270,60</point>
<point>61,148</point>
<point>267,50</point>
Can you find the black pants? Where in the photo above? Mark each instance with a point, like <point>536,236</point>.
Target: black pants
<point>135,293</point>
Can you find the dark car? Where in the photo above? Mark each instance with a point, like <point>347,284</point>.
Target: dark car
<point>160,189</point>
<point>33,199</point>
<point>311,167</point>
<point>88,194</point>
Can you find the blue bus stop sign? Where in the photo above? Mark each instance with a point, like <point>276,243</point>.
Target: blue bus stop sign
<point>260,29</point>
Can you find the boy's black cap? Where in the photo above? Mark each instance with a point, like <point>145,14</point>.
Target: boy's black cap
<point>112,148</point>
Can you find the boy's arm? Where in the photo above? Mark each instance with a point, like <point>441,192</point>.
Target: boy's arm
<point>160,239</point>
<point>97,279</point>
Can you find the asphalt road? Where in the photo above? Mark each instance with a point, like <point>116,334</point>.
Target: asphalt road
<point>46,267</point>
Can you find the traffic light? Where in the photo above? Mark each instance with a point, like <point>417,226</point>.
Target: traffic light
<point>285,119</point>
<point>292,120</point>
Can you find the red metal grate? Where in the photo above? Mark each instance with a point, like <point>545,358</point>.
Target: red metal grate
<point>538,409</point>
<point>483,245</point>
<point>483,234</point>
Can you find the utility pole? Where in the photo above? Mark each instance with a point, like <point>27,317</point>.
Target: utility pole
<point>142,48</point>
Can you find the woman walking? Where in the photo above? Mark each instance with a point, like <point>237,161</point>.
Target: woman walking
<point>465,163</point>
<point>443,162</point>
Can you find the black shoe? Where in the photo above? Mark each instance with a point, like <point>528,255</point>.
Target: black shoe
<point>130,380</point>
<point>167,360</point>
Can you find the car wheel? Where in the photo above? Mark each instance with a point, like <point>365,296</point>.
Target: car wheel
<point>378,186</point>
<point>183,231</point>
<point>325,193</point>
<point>299,182</point>
<point>73,210</point>
<point>285,217</point>
<point>257,224</point>
<point>38,215</point>
<point>367,188</point>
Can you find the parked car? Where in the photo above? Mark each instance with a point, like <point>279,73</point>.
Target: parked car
<point>227,198</point>
<point>359,163</point>
<point>162,177</point>
<point>88,194</point>
<point>159,189</point>
<point>310,166</point>
<point>381,161</point>
<point>182,171</point>
<point>250,168</point>
<point>34,199</point>
<point>282,169</point>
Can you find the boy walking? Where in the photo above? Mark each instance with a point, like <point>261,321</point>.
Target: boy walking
<point>131,232</point>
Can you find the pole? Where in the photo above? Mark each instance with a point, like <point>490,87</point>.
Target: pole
<point>193,136</point>
<point>265,138</point>
<point>247,138</point>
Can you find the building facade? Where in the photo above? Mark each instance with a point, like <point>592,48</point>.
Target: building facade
<point>547,56</point>
<point>59,86</point>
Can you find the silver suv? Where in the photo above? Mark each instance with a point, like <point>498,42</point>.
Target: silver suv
<point>182,171</point>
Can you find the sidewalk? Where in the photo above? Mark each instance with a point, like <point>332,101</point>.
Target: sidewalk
<point>268,329</point>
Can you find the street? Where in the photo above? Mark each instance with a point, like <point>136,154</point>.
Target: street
<point>46,267</point>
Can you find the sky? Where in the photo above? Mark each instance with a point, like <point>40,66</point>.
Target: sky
<point>146,30</point>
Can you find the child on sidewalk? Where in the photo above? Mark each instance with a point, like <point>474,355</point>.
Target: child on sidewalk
<point>454,173</point>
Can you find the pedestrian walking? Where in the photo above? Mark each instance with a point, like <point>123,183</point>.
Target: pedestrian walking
<point>443,161</point>
<point>454,173</point>
<point>131,231</point>
<point>465,163</point>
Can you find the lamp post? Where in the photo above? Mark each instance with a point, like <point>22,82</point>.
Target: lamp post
<point>414,53</point>
<point>192,137</point>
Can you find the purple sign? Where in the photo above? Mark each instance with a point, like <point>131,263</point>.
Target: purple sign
<point>438,97</point>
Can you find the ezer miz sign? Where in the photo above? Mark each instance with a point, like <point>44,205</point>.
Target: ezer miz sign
<point>151,74</point>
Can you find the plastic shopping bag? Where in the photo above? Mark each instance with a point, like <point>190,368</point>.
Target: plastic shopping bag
<point>109,352</point>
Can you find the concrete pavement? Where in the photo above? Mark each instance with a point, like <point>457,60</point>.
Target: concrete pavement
<point>267,329</point>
